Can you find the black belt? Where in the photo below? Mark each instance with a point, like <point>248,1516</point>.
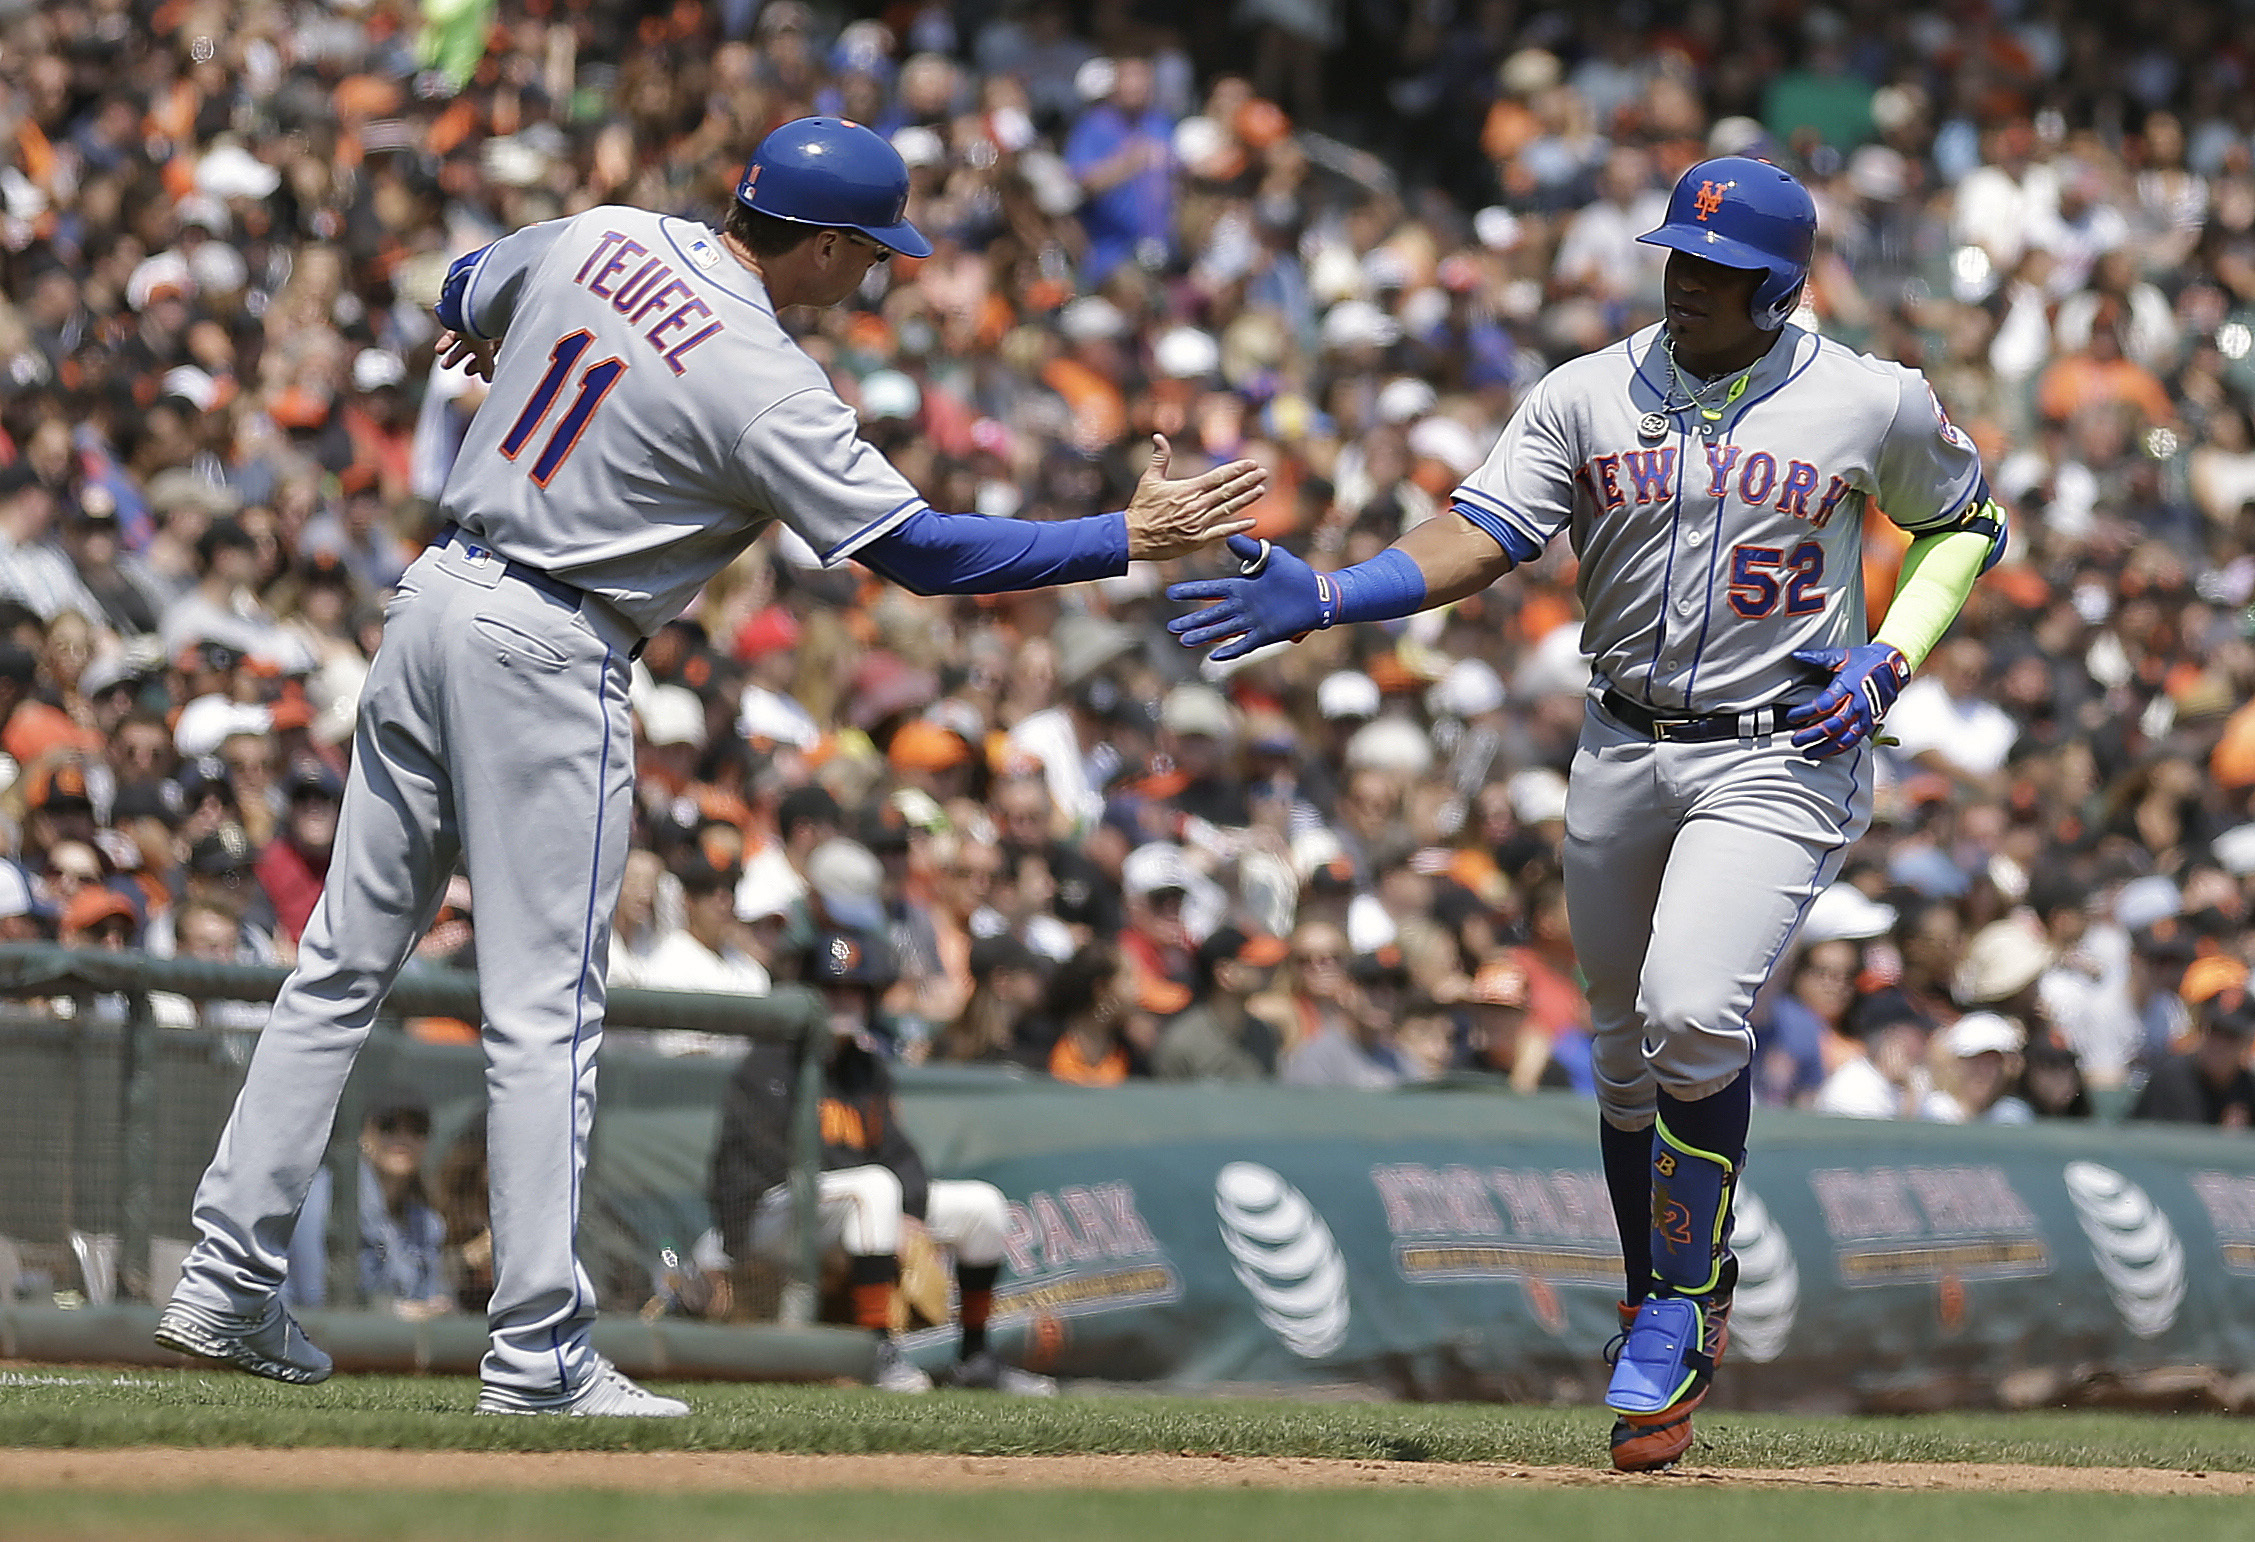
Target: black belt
<point>547,583</point>
<point>1694,728</point>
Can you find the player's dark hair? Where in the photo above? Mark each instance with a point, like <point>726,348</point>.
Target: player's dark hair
<point>764,234</point>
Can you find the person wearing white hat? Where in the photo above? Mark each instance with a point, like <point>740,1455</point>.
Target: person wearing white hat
<point>1470,688</point>
<point>1348,694</point>
<point>1404,399</point>
<point>1357,324</point>
<point>1842,910</point>
<point>1198,729</point>
<point>1978,1062</point>
<point>889,395</point>
<point>1185,353</point>
<point>2002,961</point>
<point>1800,1037</point>
<point>1447,442</point>
<point>1392,744</point>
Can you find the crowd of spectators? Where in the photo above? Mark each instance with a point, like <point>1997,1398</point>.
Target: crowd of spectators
<point>1338,238</point>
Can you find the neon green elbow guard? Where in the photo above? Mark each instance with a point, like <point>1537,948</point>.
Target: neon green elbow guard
<point>1938,574</point>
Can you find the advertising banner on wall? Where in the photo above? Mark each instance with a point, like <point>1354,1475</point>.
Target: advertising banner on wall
<point>1460,1244</point>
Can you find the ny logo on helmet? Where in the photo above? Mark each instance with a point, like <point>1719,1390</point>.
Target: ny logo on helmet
<point>1709,199</point>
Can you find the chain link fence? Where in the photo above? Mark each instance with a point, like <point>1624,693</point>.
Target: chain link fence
<point>107,1120</point>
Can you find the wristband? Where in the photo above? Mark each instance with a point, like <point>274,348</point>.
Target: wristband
<point>1388,586</point>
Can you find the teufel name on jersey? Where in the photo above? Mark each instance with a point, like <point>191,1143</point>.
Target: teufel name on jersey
<point>650,289</point>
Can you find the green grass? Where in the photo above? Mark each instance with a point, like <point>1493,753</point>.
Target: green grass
<point>1555,1515</point>
<point>58,1408</point>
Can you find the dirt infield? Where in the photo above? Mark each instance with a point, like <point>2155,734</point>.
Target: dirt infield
<point>164,1470</point>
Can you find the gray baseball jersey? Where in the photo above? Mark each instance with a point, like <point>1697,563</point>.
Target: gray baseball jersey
<point>1710,550</point>
<point>647,418</point>
<point>666,420</point>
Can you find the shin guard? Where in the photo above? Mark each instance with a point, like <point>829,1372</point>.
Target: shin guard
<point>1691,1195</point>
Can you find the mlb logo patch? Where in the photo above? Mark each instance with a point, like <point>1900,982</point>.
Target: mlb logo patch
<point>702,253</point>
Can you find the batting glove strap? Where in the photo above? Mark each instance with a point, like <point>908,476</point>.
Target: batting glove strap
<point>1865,680</point>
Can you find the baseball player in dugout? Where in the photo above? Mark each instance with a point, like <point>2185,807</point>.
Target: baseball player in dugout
<point>1711,472</point>
<point>648,417</point>
<point>873,1186</point>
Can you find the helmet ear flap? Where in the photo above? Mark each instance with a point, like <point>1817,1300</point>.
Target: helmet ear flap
<point>1775,299</point>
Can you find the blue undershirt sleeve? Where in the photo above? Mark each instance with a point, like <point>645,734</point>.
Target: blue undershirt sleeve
<point>452,292</point>
<point>1514,541</point>
<point>933,553</point>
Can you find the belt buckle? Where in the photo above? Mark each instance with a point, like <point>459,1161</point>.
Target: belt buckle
<point>1664,729</point>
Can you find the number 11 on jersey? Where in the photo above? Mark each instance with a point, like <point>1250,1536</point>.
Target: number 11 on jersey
<point>594,384</point>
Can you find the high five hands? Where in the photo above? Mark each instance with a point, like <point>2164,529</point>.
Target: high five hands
<point>1272,597</point>
<point>1173,518</point>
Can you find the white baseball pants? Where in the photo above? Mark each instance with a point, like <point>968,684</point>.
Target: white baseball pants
<point>494,729</point>
<point>1688,869</point>
<point>861,1212</point>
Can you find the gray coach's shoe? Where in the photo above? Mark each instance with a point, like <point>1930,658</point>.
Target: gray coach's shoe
<point>987,1371</point>
<point>270,1344</point>
<point>608,1394</point>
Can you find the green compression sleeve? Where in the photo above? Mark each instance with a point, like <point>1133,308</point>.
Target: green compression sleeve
<point>1938,574</point>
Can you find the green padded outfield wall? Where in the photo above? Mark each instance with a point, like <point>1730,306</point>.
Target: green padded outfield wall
<point>1450,1242</point>
<point>1458,1243</point>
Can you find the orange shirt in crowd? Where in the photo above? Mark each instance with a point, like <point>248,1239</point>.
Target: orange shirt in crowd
<point>36,729</point>
<point>1068,1064</point>
<point>2079,381</point>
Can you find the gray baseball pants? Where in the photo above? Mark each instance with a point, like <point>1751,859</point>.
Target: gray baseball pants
<point>494,729</point>
<point>1688,869</point>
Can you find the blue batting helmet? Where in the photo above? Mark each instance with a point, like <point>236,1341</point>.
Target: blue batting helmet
<point>1745,213</point>
<point>835,174</point>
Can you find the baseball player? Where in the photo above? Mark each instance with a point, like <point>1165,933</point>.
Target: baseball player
<point>1712,473</point>
<point>872,1175</point>
<point>648,417</point>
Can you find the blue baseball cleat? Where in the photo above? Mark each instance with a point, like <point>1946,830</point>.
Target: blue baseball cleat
<point>1661,1373</point>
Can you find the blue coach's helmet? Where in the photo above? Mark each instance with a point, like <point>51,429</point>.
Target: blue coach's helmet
<point>836,174</point>
<point>1745,213</point>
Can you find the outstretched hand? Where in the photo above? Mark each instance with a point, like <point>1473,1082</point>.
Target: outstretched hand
<point>1865,681</point>
<point>1173,518</point>
<point>1272,597</point>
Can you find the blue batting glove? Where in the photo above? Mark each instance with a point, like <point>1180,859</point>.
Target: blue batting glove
<point>1865,680</point>
<point>1262,603</point>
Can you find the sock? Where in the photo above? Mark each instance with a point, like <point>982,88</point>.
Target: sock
<point>1628,1177</point>
<point>975,1284</point>
<point>872,1276</point>
<point>1715,1123</point>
